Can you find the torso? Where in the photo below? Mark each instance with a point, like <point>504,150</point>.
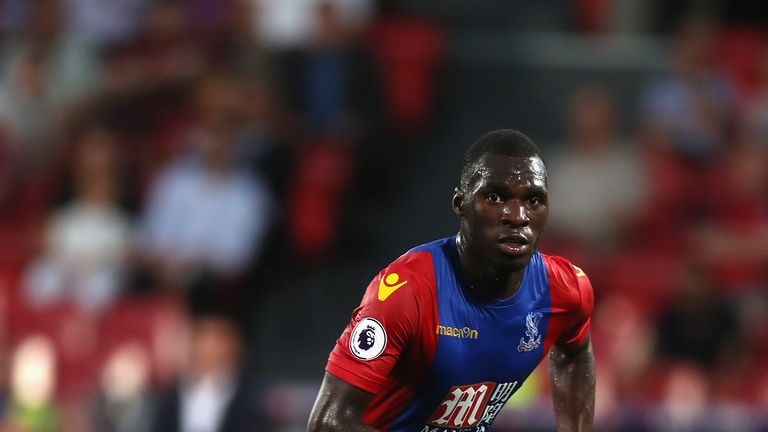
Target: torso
<point>467,355</point>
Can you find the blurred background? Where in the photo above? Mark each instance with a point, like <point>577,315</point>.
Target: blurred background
<point>195,194</point>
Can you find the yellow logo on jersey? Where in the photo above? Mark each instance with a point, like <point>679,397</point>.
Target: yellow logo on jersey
<point>463,333</point>
<point>389,284</point>
<point>579,272</point>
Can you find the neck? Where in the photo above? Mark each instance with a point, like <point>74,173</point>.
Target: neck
<point>487,280</point>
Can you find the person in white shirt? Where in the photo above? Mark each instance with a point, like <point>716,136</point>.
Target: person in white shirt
<point>88,241</point>
<point>206,213</point>
<point>600,180</point>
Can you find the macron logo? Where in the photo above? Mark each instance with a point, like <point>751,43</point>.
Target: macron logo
<point>463,333</point>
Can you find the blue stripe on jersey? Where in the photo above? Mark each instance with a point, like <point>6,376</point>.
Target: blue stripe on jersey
<point>500,328</point>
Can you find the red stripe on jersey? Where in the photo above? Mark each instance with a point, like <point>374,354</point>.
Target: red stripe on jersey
<point>408,314</point>
<point>571,301</point>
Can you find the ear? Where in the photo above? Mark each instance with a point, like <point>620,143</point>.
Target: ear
<point>457,204</point>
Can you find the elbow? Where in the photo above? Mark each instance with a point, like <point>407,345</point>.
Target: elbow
<point>329,423</point>
<point>315,423</point>
<point>320,423</point>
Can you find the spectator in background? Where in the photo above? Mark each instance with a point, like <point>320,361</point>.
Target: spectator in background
<point>599,186</point>
<point>286,24</point>
<point>206,213</point>
<point>33,384</point>
<point>212,394</point>
<point>327,70</point>
<point>148,82</point>
<point>732,242</point>
<point>87,242</point>
<point>683,403</point>
<point>124,403</point>
<point>102,23</point>
<point>260,144</point>
<point>230,37</point>
<point>696,327</point>
<point>318,78</point>
<point>167,45</point>
<point>690,110</point>
<point>41,73</point>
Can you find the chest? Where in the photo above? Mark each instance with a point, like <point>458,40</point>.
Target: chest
<point>483,355</point>
<point>478,344</point>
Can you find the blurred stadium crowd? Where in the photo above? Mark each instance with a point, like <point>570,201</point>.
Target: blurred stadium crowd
<point>158,158</point>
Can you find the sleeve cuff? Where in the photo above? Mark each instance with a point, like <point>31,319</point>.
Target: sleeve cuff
<point>344,374</point>
<point>578,339</point>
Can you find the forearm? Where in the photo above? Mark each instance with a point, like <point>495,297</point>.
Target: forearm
<point>339,407</point>
<point>573,388</point>
<point>331,420</point>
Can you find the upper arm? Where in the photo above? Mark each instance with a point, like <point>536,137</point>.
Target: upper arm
<point>577,334</point>
<point>386,325</point>
<point>584,348</point>
<point>339,406</point>
<point>572,297</point>
<point>380,329</point>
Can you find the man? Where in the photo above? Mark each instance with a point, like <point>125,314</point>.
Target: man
<point>450,330</point>
<point>213,393</point>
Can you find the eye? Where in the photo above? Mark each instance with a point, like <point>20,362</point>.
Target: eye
<point>494,198</point>
<point>534,201</point>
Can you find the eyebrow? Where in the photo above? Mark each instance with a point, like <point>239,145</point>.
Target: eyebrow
<point>493,185</point>
<point>533,191</point>
<point>539,190</point>
<point>536,188</point>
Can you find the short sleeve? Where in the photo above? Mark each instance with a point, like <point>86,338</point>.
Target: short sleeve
<point>582,312</point>
<point>571,295</point>
<point>379,330</point>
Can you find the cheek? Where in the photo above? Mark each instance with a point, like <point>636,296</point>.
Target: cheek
<point>538,218</point>
<point>481,207</point>
<point>485,214</point>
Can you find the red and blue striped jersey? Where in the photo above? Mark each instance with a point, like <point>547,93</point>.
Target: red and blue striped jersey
<point>438,357</point>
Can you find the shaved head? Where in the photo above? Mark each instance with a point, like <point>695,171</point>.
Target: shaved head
<point>501,142</point>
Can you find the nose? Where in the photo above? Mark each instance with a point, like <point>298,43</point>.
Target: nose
<point>513,213</point>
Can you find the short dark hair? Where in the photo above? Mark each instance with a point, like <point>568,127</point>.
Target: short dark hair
<point>504,142</point>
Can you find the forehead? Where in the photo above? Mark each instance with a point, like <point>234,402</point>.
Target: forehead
<point>509,169</point>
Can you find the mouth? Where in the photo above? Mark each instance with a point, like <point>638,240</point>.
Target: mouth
<point>514,244</point>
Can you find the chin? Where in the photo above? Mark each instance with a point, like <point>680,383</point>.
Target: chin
<point>511,263</point>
